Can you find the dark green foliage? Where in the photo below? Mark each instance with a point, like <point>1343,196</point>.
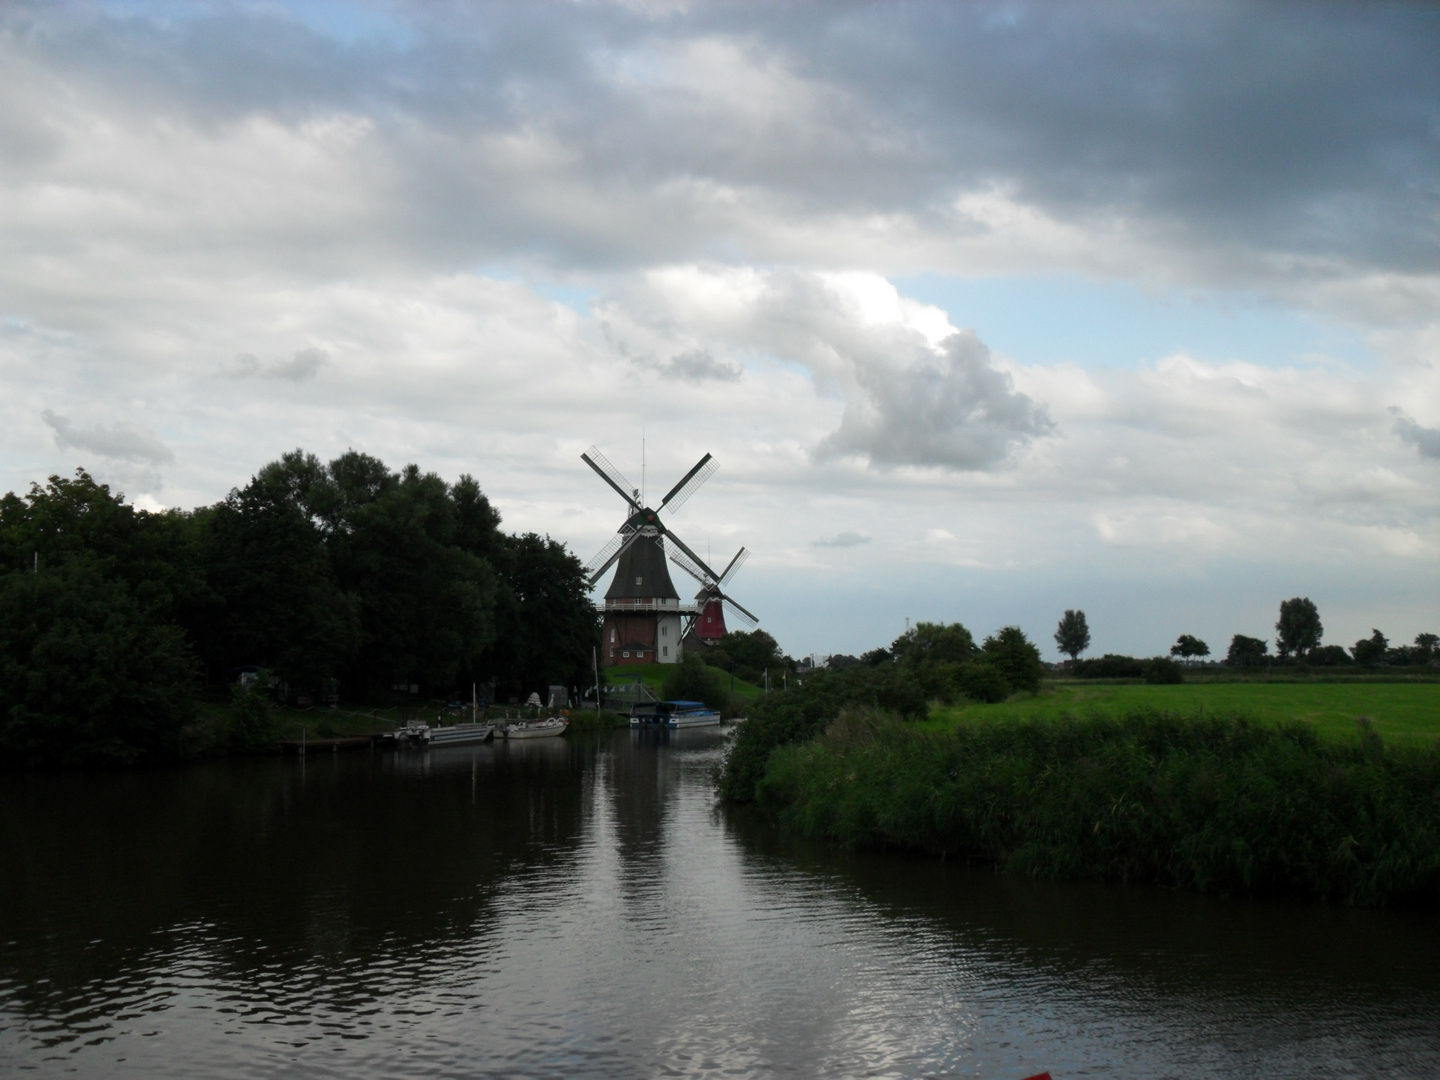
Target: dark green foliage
<point>1371,650</point>
<point>1015,658</point>
<point>546,625</point>
<point>694,680</point>
<point>91,672</point>
<point>1246,652</point>
<point>799,713</point>
<point>841,660</point>
<point>748,654</point>
<point>281,607</point>
<point>983,681</point>
<point>311,571</point>
<point>1110,666</point>
<point>1188,647</point>
<point>1072,636</point>
<point>1163,671</point>
<point>1298,630</point>
<point>876,657</point>
<point>1329,656</point>
<point>1215,806</point>
<point>252,719</point>
<point>928,642</point>
<point>1425,648</point>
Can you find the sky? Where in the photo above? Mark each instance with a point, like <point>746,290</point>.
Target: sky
<point>985,310</point>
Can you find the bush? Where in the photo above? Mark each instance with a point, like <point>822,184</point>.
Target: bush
<point>1015,658</point>
<point>983,681</point>
<point>252,720</point>
<point>1110,666</point>
<point>693,680</point>
<point>1163,671</point>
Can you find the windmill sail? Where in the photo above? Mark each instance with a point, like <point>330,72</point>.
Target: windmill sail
<point>735,564</point>
<point>689,484</point>
<point>611,475</point>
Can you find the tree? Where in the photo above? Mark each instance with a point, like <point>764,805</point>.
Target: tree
<point>1072,636</point>
<point>546,626</point>
<point>90,672</point>
<point>1246,651</point>
<point>1425,647</point>
<point>1371,650</point>
<point>1015,658</point>
<point>928,642</point>
<point>1188,646</point>
<point>1298,629</point>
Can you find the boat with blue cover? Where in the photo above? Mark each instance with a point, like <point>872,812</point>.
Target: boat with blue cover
<point>673,714</point>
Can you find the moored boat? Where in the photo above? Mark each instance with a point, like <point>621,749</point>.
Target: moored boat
<point>458,734</point>
<point>533,729</point>
<point>673,714</point>
<point>414,735</point>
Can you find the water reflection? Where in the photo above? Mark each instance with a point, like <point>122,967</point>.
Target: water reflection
<point>580,907</point>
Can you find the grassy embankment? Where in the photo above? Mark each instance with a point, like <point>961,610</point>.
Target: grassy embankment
<point>1133,783</point>
<point>1407,712</point>
<point>653,676</point>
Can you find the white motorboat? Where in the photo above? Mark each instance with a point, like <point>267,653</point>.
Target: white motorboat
<point>533,729</point>
<point>458,734</point>
<point>673,714</point>
<point>414,735</point>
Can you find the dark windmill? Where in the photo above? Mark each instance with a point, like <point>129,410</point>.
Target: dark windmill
<point>707,625</point>
<point>643,613</point>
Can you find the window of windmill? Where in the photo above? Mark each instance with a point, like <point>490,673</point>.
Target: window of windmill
<point>639,581</point>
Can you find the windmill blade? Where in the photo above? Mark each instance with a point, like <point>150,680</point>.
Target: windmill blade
<point>680,559</point>
<point>735,564</point>
<point>603,555</point>
<point>738,610</point>
<point>693,557</point>
<point>611,475</point>
<point>625,540</point>
<point>690,483</point>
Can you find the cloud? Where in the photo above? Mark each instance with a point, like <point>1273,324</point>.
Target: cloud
<point>916,391</point>
<point>842,540</point>
<point>698,366</point>
<point>304,365</point>
<point>952,410</point>
<point>1426,440</point>
<point>119,442</point>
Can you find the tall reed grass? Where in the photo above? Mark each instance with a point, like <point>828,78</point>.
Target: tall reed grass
<point>1212,805</point>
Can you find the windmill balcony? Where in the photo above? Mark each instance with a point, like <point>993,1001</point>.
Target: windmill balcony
<point>650,603</point>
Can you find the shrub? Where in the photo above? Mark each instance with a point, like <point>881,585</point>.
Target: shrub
<point>694,680</point>
<point>1015,658</point>
<point>1110,666</point>
<point>252,720</point>
<point>983,681</point>
<point>1163,671</point>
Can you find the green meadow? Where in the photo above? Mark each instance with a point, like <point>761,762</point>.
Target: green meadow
<point>1400,712</point>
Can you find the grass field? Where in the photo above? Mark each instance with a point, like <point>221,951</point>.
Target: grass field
<point>1407,712</point>
<point>653,675</point>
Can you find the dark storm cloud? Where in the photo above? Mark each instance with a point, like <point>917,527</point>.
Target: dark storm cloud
<point>1281,130</point>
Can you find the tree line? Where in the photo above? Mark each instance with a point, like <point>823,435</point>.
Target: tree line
<point>335,580</point>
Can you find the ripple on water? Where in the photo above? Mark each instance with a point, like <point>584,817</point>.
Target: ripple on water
<point>586,912</point>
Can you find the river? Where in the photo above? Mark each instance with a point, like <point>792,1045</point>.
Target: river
<point>581,907</point>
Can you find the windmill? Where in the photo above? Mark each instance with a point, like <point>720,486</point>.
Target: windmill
<point>707,625</point>
<point>643,613</point>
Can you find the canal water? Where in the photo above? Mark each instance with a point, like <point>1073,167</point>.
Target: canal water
<point>582,908</point>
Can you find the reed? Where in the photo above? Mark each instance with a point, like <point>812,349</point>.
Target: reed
<point>1217,805</point>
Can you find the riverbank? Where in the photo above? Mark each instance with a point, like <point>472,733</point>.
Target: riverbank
<point>1211,805</point>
